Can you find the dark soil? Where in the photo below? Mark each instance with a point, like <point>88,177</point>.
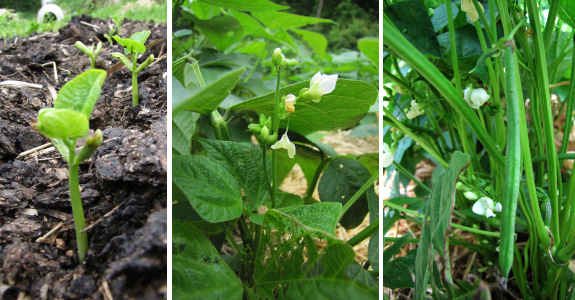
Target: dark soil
<point>123,185</point>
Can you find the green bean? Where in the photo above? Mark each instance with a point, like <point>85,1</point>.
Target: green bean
<point>512,167</point>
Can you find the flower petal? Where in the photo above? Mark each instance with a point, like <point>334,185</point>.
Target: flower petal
<point>315,79</point>
<point>386,148</point>
<point>328,83</point>
<point>489,213</point>
<point>478,208</point>
<point>387,159</point>
<point>498,207</point>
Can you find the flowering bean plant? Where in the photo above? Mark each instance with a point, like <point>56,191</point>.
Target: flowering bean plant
<point>238,130</point>
<point>483,92</point>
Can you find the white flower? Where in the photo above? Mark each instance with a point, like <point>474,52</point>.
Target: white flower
<point>415,110</point>
<point>290,99</point>
<point>468,7</point>
<point>475,97</point>
<point>485,207</point>
<point>387,156</point>
<point>319,86</point>
<point>284,143</point>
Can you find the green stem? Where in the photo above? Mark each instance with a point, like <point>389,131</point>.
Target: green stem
<point>402,84</point>
<point>408,241</point>
<point>570,105</point>
<point>275,125</point>
<point>404,171</point>
<point>543,84</point>
<point>560,157</point>
<point>550,24</point>
<point>416,138</point>
<point>453,45</point>
<point>414,213</point>
<point>365,233</point>
<point>77,210</point>
<point>93,62</point>
<point>264,155</point>
<point>134,89</point>
<point>358,194</point>
<point>315,179</point>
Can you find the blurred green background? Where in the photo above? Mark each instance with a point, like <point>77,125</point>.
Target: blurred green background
<point>21,19</point>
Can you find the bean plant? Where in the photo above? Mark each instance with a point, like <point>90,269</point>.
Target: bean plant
<point>133,47</point>
<point>91,52</point>
<point>474,89</point>
<point>239,127</point>
<point>64,124</point>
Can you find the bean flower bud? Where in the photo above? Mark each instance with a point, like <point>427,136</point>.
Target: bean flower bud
<point>277,57</point>
<point>289,103</point>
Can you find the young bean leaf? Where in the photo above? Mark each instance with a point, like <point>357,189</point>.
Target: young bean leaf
<point>131,45</point>
<point>62,123</point>
<point>82,92</point>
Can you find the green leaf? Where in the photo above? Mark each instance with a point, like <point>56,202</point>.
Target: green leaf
<point>319,216</point>
<point>373,251</point>
<point>339,182</point>
<point>439,209</point>
<point>183,129</point>
<point>330,289</point>
<point>398,272</point>
<point>212,191</point>
<point>309,160</point>
<point>206,100</point>
<point>245,163</point>
<point>358,273</point>
<point>284,199</point>
<point>316,41</point>
<point>228,60</point>
<point>439,19</point>
<point>567,12</point>
<point>62,123</point>
<point>246,5</point>
<point>412,20</point>
<point>223,32</point>
<point>442,200</point>
<point>369,46</point>
<point>276,20</point>
<point>81,93</point>
<point>370,161</point>
<point>141,37</point>
<point>342,108</point>
<point>249,24</point>
<point>202,10</point>
<point>131,45</point>
<point>198,271</point>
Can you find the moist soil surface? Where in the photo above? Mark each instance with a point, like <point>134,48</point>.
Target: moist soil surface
<point>123,185</point>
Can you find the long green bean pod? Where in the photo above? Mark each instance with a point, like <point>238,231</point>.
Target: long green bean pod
<point>512,167</point>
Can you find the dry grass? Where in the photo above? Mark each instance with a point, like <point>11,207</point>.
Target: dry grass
<point>296,183</point>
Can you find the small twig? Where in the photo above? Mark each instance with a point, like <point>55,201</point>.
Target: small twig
<point>157,60</point>
<point>47,235</point>
<point>20,84</point>
<point>34,150</point>
<point>559,84</point>
<point>107,293</point>
<point>53,63</point>
<point>101,219</point>
<point>90,25</point>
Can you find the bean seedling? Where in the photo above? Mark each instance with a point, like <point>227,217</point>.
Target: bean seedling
<point>90,51</point>
<point>67,122</point>
<point>133,47</point>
